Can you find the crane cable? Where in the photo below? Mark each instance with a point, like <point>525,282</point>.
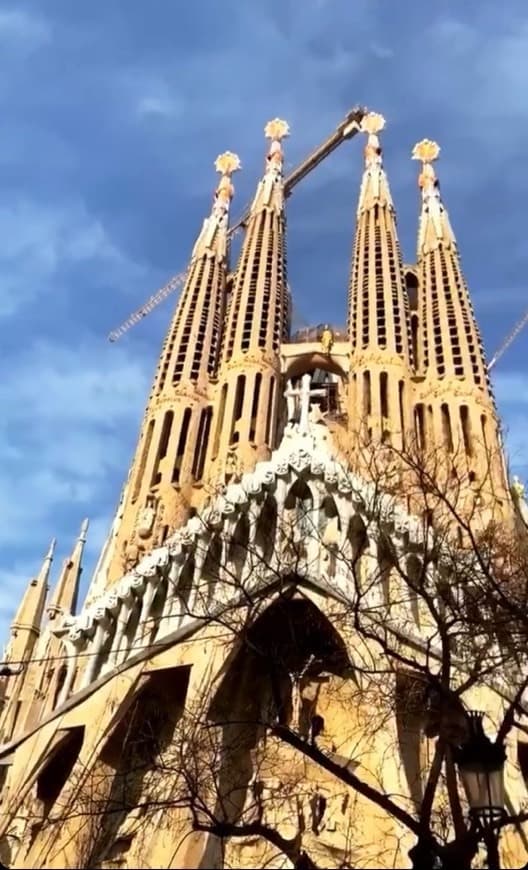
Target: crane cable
<point>345,130</point>
<point>512,336</point>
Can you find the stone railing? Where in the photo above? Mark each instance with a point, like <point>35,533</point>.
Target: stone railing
<point>314,333</point>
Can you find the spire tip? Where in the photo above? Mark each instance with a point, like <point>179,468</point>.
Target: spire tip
<point>51,550</point>
<point>277,129</point>
<point>372,123</point>
<point>426,150</point>
<point>227,163</point>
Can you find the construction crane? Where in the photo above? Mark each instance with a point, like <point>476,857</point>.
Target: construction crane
<point>348,128</point>
<point>511,338</point>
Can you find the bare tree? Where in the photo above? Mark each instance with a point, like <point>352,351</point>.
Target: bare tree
<point>338,700</point>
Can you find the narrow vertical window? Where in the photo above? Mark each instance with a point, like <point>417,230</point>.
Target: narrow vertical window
<point>367,399</point>
<point>446,427</point>
<point>466,429</point>
<point>201,443</point>
<point>237,410</point>
<point>414,340</point>
<point>384,395</point>
<point>430,424</point>
<point>270,434</point>
<point>143,461</point>
<point>484,424</point>
<point>419,420</point>
<point>401,397</point>
<point>220,422</point>
<point>182,443</point>
<point>162,446</point>
<point>254,407</point>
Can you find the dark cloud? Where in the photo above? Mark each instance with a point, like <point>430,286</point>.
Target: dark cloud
<point>112,115</point>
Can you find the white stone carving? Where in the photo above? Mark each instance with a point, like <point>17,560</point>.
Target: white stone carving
<point>300,453</point>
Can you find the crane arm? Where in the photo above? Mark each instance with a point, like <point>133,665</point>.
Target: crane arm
<point>509,340</point>
<point>345,130</point>
<point>348,128</point>
<point>148,306</point>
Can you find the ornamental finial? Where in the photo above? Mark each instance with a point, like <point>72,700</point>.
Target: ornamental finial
<point>227,163</point>
<point>277,129</point>
<point>427,152</point>
<point>372,124</point>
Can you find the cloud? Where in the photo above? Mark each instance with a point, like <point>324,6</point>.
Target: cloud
<point>106,175</point>
<point>40,242</point>
<point>511,387</point>
<point>62,448</point>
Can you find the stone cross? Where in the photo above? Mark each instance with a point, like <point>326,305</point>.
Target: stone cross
<point>299,400</point>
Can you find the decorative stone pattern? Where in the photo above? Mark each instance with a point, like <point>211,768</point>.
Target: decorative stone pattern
<point>121,621</point>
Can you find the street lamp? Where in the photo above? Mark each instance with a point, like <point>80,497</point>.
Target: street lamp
<point>481,766</point>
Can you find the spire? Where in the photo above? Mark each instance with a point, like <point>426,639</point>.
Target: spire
<point>378,309</point>
<point>269,191</point>
<point>374,184</point>
<point>451,341</point>
<point>378,314</point>
<point>29,615</point>
<point>64,599</point>
<point>213,237</point>
<point>166,474</point>
<point>454,407</point>
<point>257,314</point>
<point>200,309</point>
<point>434,228</point>
<point>256,323</point>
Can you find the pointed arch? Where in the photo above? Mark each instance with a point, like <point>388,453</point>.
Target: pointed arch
<point>266,529</point>
<point>329,510</point>
<point>289,642</point>
<point>385,566</point>
<point>357,537</point>
<point>185,584</point>
<point>300,502</point>
<point>415,576</point>
<point>131,629</point>
<point>158,606</point>
<point>212,566</point>
<point>291,636</point>
<point>56,771</point>
<point>298,492</point>
<point>238,546</point>
<point>132,754</point>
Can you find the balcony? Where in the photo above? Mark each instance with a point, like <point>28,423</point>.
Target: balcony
<point>314,333</point>
<point>305,351</point>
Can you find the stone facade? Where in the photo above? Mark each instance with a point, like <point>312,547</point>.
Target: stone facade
<point>253,679</point>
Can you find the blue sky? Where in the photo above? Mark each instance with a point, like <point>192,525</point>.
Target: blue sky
<point>111,116</point>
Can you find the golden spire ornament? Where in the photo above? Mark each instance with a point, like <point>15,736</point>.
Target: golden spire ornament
<point>277,129</point>
<point>372,123</point>
<point>427,151</point>
<point>227,163</point>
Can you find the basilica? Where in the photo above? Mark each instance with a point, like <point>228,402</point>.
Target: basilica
<point>301,646</point>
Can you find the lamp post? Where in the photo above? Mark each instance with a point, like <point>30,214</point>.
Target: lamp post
<point>481,766</point>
